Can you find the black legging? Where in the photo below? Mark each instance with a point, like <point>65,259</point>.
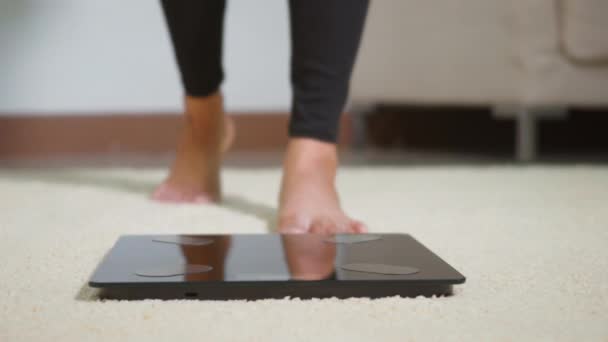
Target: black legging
<point>325,37</point>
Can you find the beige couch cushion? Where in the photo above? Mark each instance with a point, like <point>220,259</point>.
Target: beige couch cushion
<point>585,29</point>
<point>548,74</point>
<point>420,51</point>
<point>484,52</point>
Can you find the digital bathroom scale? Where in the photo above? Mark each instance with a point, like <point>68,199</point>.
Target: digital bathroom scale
<point>271,266</point>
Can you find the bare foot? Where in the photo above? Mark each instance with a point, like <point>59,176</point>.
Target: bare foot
<point>195,174</point>
<point>309,202</point>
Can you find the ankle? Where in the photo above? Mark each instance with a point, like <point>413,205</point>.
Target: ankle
<point>203,104</point>
<point>310,160</point>
<point>205,118</point>
<point>309,154</point>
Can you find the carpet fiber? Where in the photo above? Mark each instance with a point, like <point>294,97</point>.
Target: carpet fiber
<point>532,241</point>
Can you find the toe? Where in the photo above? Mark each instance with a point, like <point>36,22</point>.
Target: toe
<point>358,227</point>
<point>321,226</point>
<point>293,225</point>
<point>164,193</point>
<point>330,226</point>
<point>293,230</point>
<point>317,228</point>
<point>202,199</point>
<point>167,194</point>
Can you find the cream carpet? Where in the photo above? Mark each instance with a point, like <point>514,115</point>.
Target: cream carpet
<point>532,241</point>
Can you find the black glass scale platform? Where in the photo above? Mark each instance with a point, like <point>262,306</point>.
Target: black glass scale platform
<point>271,266</point>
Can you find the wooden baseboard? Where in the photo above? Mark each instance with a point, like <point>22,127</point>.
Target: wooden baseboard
<point>31,136</point>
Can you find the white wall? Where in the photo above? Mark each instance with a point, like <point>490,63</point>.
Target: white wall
<point>115,56</point>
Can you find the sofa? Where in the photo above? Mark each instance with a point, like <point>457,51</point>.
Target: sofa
<point>526,59</point>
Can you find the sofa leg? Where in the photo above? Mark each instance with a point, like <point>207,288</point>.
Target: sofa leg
<point>359,114</point>
<point>526,132</point>
<point>526,136</point>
